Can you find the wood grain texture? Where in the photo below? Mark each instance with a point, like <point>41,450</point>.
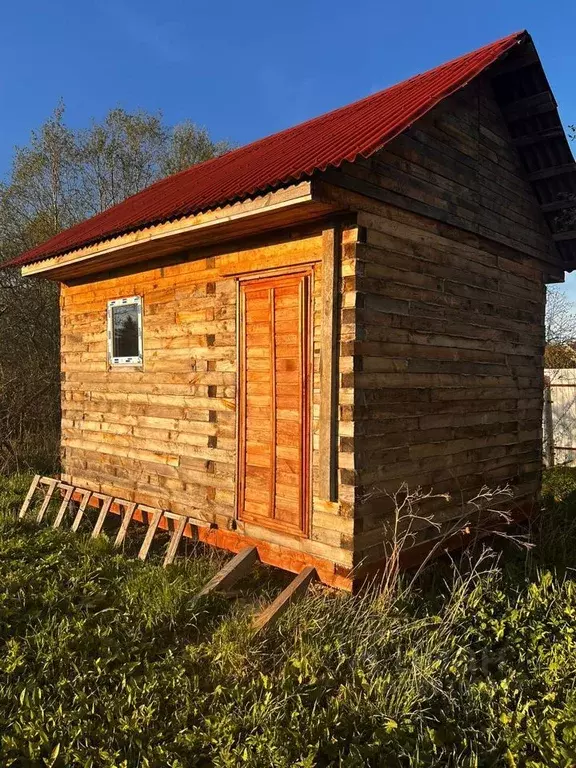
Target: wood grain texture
<point>68,491</point>
<point>458,165</point>
<point>165,436</point>
<point>104,509</point>
<point>447,369</point>
<point>174,542</point>
<point>329,385</point>
<point>425,370</point>
<point>51,486</point>
<point>274,441</point>
<point>84,495</point>
<point>446,301</point>
<point>28,498</point>
<point>234,570</point>
<point>270,211</point>
<point>293,592</point>
<point>150,533</point>
<point>127,510</point>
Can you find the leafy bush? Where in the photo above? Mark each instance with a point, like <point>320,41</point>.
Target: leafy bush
<point>107,661</point>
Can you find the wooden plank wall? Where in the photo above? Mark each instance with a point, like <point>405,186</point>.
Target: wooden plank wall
<point>440,341</point>
<point>447,368</point>
<point>166,435</point>
<point>448,376</point>
<point>458,165</point>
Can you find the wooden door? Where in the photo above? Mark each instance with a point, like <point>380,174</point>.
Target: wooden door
<point>274,438</point>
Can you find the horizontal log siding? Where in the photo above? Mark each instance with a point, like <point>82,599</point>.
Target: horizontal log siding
<point>448,367</point>
<point>166,435</point>
<point>457,164</point>
<point>448,298</point>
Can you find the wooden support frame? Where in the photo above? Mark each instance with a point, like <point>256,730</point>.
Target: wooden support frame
<point>86,495</point>
<point>129,509</point>
<point>68,491</point>
<point>104,509</point>
<point>175,540</point>
<point>293,592</point>
<point>52,484</point>
<point>234,570</point>
<point>29,495</point>
<point>152,528</point>
<point>328,424</point>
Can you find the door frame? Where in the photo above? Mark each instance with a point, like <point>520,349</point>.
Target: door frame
<point>307,320</point>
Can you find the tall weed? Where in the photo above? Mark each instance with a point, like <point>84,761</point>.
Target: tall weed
<point>107,661</point>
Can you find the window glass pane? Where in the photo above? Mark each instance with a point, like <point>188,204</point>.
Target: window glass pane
<point>125,331</point>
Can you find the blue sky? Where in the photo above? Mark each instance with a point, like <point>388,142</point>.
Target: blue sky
<point>245,70</point>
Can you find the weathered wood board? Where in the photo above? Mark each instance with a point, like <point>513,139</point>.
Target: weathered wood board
<point>420,361</point>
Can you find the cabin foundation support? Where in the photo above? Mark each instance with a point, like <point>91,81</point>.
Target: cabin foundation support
<point>293,592</point>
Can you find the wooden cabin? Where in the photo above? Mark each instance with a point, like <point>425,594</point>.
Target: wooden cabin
<point>274,340</point>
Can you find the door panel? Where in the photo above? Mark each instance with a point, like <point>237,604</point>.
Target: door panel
<point>273,438</point>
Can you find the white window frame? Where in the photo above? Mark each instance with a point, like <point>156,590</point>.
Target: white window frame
<point>126,361</point>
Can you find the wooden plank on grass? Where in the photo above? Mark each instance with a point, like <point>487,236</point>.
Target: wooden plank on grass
<point>68,491</point>
<point>47,498</point>
<point>129,508</point>
<point>152,528</point>
<point>28,499</point>
<point>293,592</point>
<point>82,508</point>
<point>175,541</point>
<point>104,509</point>
<point>232,572</point>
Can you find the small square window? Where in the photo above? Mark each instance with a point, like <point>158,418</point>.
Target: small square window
<point>125,331</point>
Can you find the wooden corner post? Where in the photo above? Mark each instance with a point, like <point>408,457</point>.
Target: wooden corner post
<point>328,427</point>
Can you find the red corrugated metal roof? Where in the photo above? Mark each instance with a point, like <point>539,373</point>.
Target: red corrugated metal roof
<point>358,129</point>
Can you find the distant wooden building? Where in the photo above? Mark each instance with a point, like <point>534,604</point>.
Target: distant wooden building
<point>275,339</point>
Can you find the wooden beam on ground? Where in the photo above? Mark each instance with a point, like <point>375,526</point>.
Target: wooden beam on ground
<point>104,509</point>
<point>82,508</point>
<point>233,571</point>
<point>293,592</point>
<point>47,498</point>
<point>129,509</point>
<point>28,499</point>
<point>69,490</point>
<point>175,541</point>
<point>152,528</point>
<point>329,357</point>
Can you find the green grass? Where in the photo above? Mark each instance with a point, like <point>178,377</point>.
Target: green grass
<point>107,661</point>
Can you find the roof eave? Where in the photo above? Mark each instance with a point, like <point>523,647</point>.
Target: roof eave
<point>273,210</point>
<point>530,111</point>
